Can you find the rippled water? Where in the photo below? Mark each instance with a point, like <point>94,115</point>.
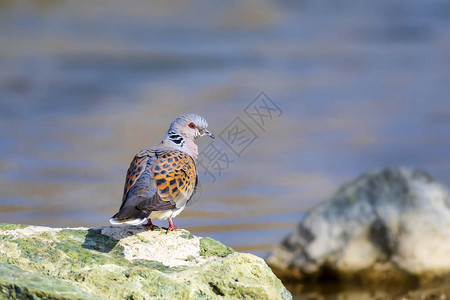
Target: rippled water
<point>85,85</point>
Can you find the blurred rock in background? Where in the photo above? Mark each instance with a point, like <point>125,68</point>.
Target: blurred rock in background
<point>385,226</point>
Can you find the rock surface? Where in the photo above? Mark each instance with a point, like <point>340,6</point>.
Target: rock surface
<point>388,225</point>
<point>127,263</point>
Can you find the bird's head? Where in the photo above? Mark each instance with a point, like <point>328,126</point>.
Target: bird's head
<point>190,126</point>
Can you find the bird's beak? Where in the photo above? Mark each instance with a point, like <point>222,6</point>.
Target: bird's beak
<point>208,133</point>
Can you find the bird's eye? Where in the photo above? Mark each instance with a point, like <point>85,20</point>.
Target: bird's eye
<point>191,125</point>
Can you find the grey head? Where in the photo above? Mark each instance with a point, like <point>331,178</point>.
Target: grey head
<point>185,129</point>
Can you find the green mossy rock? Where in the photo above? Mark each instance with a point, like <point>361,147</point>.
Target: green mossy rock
<point>127,263</point>
<point>18,284</point>
<point>210,247</point>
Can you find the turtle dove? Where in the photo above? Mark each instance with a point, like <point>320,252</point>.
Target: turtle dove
<point>161,180</point>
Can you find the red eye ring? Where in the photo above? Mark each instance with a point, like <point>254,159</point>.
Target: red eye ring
<point>191,125</point>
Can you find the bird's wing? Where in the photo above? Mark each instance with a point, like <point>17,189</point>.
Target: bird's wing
<point>175,177</point>
<point>137,167</point>
<point>159,178</point>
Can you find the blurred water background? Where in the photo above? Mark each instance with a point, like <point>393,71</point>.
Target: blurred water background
<point>85,84</point>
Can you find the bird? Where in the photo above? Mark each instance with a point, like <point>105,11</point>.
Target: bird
<point>161,180</point>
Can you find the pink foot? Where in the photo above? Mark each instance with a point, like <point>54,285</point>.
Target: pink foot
<point>150,225</point>
<point>171,226</point>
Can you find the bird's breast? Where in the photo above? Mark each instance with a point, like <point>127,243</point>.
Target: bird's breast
<point>164,214</point>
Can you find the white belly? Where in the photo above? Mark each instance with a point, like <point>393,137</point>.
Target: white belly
<point>163,215</point>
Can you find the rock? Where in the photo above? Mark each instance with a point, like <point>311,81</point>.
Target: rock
<point>127,263</point>
<point>433,292</point>
<point>389,225</point>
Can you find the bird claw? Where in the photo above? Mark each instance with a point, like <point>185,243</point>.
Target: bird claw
<point>170,228</point>
<point>151,226</point>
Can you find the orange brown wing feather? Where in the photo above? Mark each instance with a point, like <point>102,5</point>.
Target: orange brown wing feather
<point>174,176</point>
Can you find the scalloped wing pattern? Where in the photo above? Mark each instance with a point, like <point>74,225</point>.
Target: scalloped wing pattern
<point>175,176</point>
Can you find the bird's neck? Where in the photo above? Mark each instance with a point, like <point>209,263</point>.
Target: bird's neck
<point>177,141</point>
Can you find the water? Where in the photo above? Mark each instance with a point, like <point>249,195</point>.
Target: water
<point>84,86</point>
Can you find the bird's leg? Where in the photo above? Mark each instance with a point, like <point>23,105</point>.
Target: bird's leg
<point>171,226</point>
<point>150,225</point>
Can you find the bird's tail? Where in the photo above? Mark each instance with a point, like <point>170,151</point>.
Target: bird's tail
<point>115,221</point>
<point>129,216</point>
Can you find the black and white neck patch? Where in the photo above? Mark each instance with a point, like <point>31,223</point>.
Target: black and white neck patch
<point>176,138</point>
